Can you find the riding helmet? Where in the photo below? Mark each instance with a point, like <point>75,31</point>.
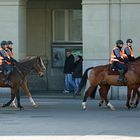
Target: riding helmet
<point>9,42</point>
<point>129,41</point>
<point>3,43</point>
<point>119,42</point>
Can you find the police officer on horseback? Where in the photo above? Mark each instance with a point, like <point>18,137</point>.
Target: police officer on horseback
<point>10,48</point>
<point>117,61</point>
<point>7,62</point>
<point>128,53</point>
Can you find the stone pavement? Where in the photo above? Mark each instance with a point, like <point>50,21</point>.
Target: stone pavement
<point>87,137</point>
<point>64,119</point>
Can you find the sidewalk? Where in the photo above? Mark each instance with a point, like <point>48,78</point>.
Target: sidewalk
<point>68,138</point>
<point>54,94</point>
<point>5,92</point>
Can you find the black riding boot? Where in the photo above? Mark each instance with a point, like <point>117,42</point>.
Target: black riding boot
<point>6,80</point>
<point>122,78</point>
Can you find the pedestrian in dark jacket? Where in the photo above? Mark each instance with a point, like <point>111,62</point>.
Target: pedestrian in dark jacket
<point>77,74</point>
<point>68,71</point>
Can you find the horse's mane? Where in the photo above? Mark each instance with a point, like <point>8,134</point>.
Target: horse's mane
<point>27,59</point>
<point>26,63</point>
<point>134,61</point>
<point>138,58</point>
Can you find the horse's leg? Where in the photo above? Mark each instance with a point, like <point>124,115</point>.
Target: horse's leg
<point>12,98</point>
<point>25,88</point>
<point>129,90</point>
<point>138,97</point>
<point>18,100</point>
<point>13,104</point>
<point>133,97</point>
<point>87,94</point>
<point>103,93</point>
<point>101,98</point>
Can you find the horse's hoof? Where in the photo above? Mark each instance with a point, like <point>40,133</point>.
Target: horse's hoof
<point>35,106</point>
<point>21,108</point>
<point>84,105</point>
<point>4,105</point>
<point>100,104</point>
<point>13,105</point>
<point>135,106</point>
<point>128,107</point>
<point>84,108</point>
<point>113,108</point>
<point>132,106</point>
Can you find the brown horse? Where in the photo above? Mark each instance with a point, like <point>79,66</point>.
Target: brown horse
<point>24,87</point>
<point>18,76</point>
<point>104,77</point>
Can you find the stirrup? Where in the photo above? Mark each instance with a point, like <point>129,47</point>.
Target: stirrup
<point>8,83</point>
<point>125,80</point>
<point>122,80</point>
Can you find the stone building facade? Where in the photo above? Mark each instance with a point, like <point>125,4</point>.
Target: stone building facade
<point>48,27</point>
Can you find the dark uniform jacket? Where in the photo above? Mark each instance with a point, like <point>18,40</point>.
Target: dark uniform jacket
<point>69,64</point>
<point>77,69</point>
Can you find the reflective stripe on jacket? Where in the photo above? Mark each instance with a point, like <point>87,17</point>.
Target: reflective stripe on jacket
<point>130,50</point>
<point>10,53</point>
<point>2,59</point>
<point>114,58</point>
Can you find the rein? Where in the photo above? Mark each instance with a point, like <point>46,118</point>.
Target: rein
<point>19,71</point>
<point>24,67</point>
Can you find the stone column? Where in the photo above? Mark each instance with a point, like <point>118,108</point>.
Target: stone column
<point>13,24</point>
<point>95,32</point>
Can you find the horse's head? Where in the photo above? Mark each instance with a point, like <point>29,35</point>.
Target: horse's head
<point>39,66</point>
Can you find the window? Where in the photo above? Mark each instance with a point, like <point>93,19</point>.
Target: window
<point>67,25</point>
<point>75,25</point>
<point>59,23</point>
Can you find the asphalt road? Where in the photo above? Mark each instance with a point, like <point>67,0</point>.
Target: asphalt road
<point>65,119</point>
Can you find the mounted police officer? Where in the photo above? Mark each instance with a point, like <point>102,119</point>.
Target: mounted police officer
<point>10,48</point>
<point>7,62</point>
<point>128,53</point>
<point>117,60</point>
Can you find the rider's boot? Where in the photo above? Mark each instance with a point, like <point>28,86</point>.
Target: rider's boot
<point>7,80</point>
<point>122,78</point>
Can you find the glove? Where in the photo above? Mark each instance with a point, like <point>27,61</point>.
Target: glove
<point>13,63</point>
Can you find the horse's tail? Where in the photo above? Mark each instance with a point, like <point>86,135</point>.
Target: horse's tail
<point>84,79</point>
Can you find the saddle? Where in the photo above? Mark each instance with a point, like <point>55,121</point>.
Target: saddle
<point>112,71</point>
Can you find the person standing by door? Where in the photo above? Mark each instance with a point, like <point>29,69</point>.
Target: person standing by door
<point>68,71</point>
<point>77,74</point>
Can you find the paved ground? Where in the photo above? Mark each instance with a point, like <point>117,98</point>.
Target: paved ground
<point>64,119</point>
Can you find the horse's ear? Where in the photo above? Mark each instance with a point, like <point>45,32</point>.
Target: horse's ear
<point>38,57</point>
